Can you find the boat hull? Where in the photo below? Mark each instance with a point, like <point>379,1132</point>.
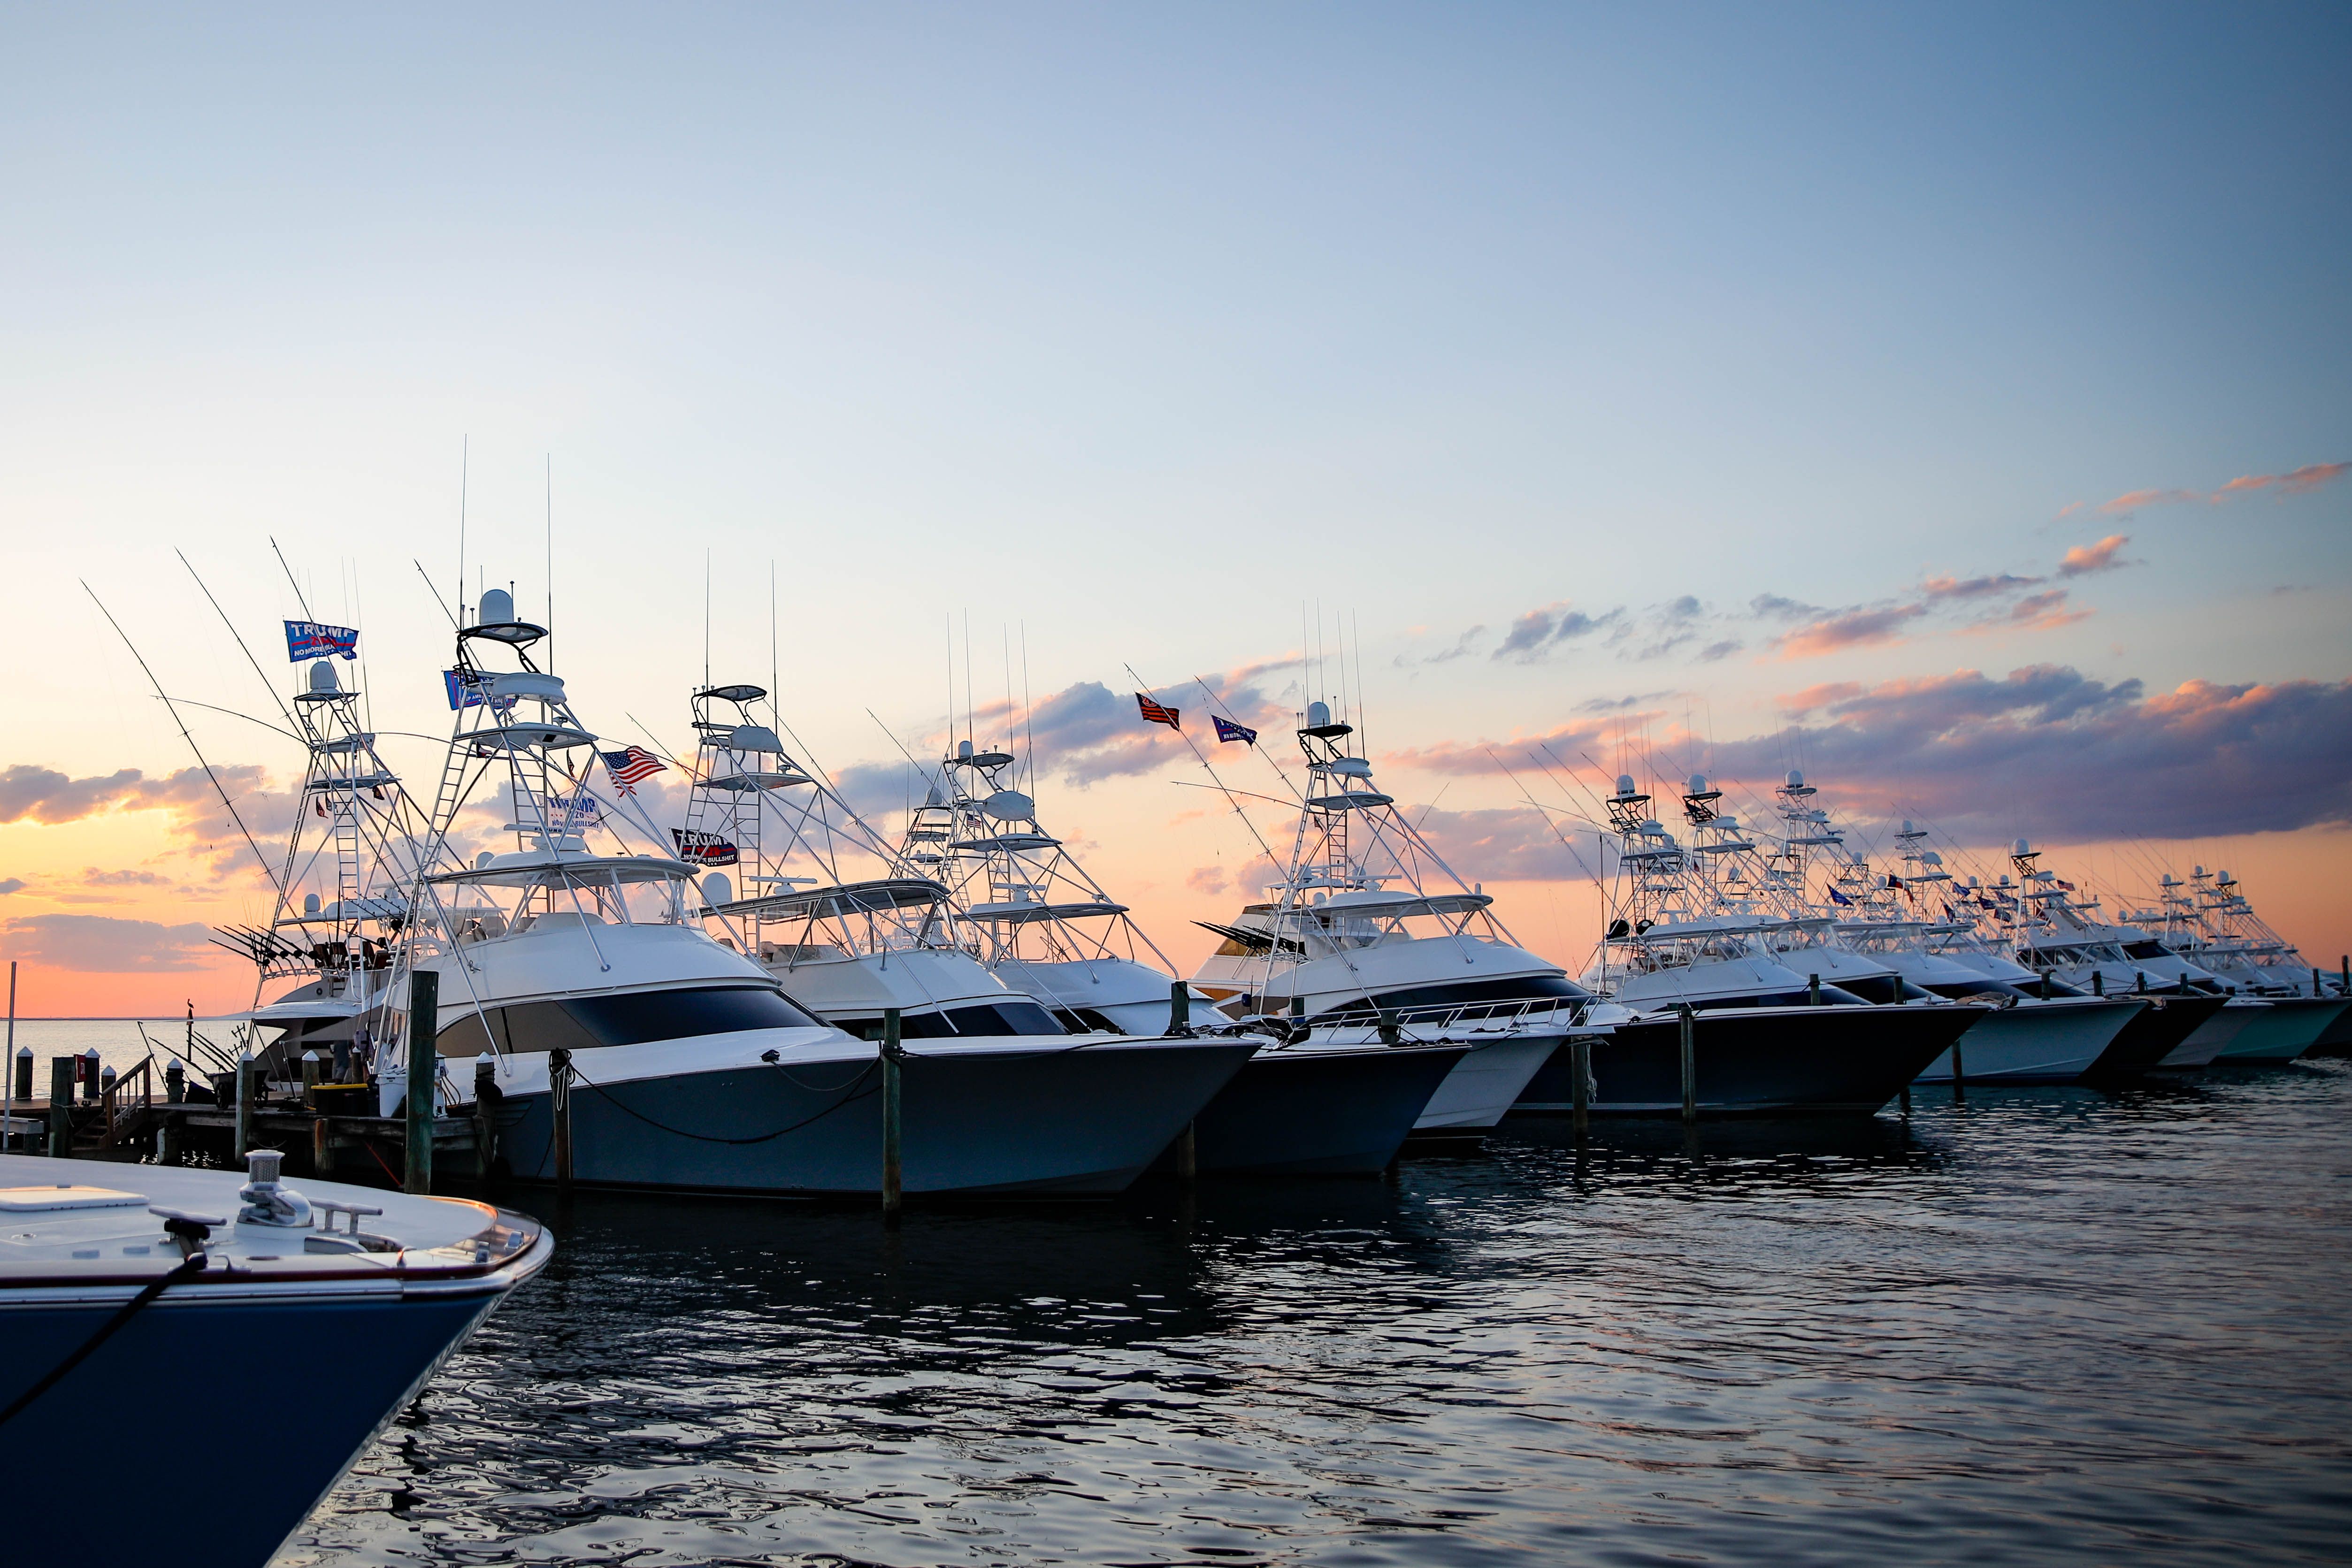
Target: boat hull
<point>2058,1042</point>
<point>1483,1087</point>
<point>2286,1028</point>
<point>1075,1121</point>
<point>2336,1040</point>
<point>1320,1113</point>
<point>2158,1040</point>
<point>1761,1061</point>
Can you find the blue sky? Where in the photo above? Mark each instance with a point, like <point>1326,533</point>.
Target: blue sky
<point>1137,331</point>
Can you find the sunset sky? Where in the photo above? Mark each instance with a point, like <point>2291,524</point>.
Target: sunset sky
<point>1957,406</point>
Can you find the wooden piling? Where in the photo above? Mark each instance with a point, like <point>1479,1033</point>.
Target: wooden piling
<point>1180,1007</point>
<point>60,1120</point>
<point>423,1075</point>
<point>1579,1093</point>
<point>558,1105</point>
<point>1690,1062</point>
<point>893,1127</point>
<point>245,1098</point>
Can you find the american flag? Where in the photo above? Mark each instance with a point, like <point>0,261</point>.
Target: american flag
<point>627,767</point>
<point>1155,714</point>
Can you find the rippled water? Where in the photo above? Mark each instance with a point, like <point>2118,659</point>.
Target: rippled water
<point>2044,1323</point>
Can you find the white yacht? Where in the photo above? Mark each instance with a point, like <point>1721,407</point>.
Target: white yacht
<point>2207,921</point>
<point>689,1066</point>
<point>2033,1033</point>
<point>1704,926</point>
<point>2052,932</point>
<point>1371,938</point>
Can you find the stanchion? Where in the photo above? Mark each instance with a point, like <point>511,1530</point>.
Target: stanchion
<point>1690,1062</point>
<point>893,1129</point>
<point>558,1105</point>
<point>423,1075</point>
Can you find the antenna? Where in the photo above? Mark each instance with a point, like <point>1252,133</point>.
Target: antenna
<point>297,586</point>
<point>550,564</point>
<point>775,666</point>
<point>706,615</point>
<point>465,462</point>
<point>1028,715</point>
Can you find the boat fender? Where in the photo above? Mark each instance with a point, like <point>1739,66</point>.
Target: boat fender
<point>267,1201</point>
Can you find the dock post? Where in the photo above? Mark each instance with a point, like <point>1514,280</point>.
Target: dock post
<point>1812,990</point>
<point>2098,982</point>
<point>244,1106</point>
<point>322,1154</point>
<point>1579,1093</point>
<point>486,1114</point>
<point>310,1076</point>
<point>893,1127</point>
<point>558,1106</point>
<point>424,1076</point>
<point>8,1105</point>
<point>24,1073</point>
<point>1180,1007</point>
<point>1690,1063</point>
<point>90,1086</point>
<point>62,1069</point>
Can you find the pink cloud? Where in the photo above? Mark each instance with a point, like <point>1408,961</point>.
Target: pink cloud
<point>1820,696</point>
<point>1853,628</point>
<point>1206,879</point>
<point>2083,559</point>
<point>2298,482</point>
<point>1473,757</point>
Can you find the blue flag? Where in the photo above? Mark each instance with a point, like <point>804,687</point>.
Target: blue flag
<point>313,639</point>
<point>1837,897</point>
<point>465,690</point>
<point>1228,730</point>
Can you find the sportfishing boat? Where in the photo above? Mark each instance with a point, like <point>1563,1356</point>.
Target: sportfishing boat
<point>1370,942</point>
<point>2036,1032</point>
<point>2208,922</point>
<point>1692,934</point>
<point>340,896</point>
<point>120,1282</point>
<point>2054,934</point>
<point>686,1065</point>
<point>1044,926</point>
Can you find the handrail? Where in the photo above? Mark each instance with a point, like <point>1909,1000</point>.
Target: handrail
<point>111,1103</point>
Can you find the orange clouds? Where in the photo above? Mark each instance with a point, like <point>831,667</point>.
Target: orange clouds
<point>1854,629</point>
<point>2083,559</point>
<point>2298,482</point>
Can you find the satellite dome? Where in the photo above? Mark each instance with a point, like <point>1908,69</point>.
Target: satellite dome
<point>2197,871</point>
<point>963,750</point>
<point>1796,778</point>
<point>755,737</point>
<point>1974,882</point>
<point>497,608</point>
<point>1906,825</point>
<point>323,676</point>
<point>932,796</point>
<point>309,903</point>
<point>1624,784</point>
<point>2022,848</point>
<point>1698,783</point>
<point>482,860</point>
<point>2223,875</point>
<point>1010,806</point>
<point>1728,824</point>
<point>1932,858</point>
<point>1652,825</point>
<point>1318,714</point>
<point>717,889</point>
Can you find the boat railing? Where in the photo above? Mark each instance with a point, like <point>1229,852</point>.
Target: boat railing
<point>117,1113</point>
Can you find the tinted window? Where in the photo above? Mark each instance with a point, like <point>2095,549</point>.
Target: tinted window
<point>2144,950</point>
<point>980,1020</point>
<point>639,1016</point>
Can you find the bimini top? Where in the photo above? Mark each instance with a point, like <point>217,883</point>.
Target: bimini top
<point>1020,912</point>
<point>848,898</point>
<point>1371,903</point>
<point>569,868</point>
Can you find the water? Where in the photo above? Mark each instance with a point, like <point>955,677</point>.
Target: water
<point>2048,1325</point>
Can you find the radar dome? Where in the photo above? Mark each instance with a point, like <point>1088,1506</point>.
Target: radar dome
<point>1698,783</point>
<point>1318,714</point>
<point>2022,848</point>
<point>1932,858</point>
<point>1906,825</point>
<point>963,750</point>
<point>717,889</point>
<point>1624,784</point>
<point>323,676</point>
<point>309,903</point>
<point>1796,778</point>
<point>1010,806</point>
<point>497,608</point>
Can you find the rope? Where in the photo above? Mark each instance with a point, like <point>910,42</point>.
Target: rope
<point>189,1268</point>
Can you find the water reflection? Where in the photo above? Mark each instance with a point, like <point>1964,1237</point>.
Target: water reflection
<point>2031,1323</point>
